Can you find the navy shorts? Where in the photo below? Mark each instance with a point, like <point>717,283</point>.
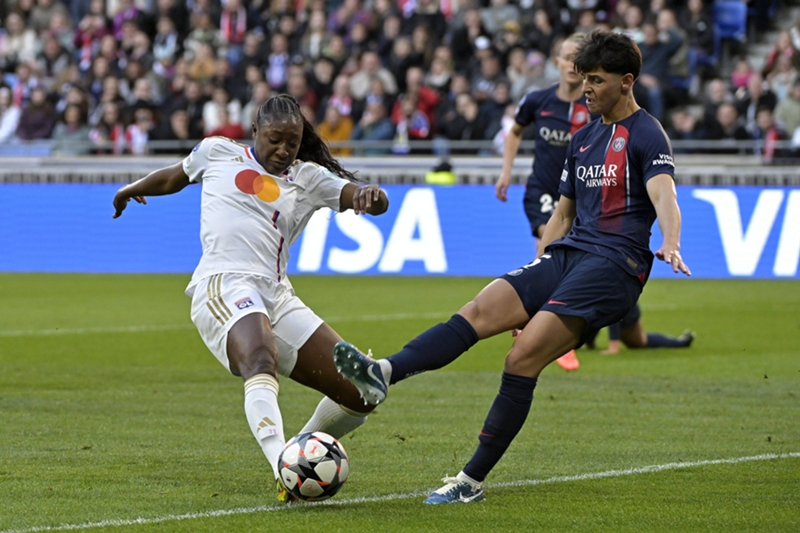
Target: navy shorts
<point>568,281</point>
<point>539,204</point>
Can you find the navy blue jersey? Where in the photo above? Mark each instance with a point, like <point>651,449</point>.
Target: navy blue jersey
<point>556,121</point>
<point>605,173</point>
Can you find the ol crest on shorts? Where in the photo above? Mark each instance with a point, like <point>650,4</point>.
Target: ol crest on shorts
<point>244,303</point>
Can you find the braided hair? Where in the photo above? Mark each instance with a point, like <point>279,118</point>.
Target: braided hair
<point>312,147</point>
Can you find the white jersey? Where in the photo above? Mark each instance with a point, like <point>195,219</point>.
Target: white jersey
<point>249,218</point>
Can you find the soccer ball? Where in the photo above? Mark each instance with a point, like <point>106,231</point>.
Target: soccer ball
<point>313,466</point>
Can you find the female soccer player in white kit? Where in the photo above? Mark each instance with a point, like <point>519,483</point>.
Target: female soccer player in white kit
<point>255,203</point>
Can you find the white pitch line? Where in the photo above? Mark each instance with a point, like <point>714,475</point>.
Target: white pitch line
<point>403,496</point>
<point>171,327</point>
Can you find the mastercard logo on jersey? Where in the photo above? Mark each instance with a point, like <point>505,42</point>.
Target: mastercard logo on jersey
<point>264,187</point>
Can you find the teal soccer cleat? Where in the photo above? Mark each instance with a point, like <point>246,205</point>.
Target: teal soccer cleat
<point>360,370</point>
<point>457,489</point>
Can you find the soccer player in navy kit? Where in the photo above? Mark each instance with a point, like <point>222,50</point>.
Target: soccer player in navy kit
<point>558,112</point>
<point>617,179</point>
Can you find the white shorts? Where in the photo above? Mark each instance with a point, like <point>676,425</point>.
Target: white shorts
<point>221,300</point>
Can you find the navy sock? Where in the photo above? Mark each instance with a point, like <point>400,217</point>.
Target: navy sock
<point>658,340</point>
<point>615,331</point>
<point>437,347</point>
<point>505,419</point>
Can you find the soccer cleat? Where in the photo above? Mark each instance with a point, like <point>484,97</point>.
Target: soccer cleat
<point>360,370</point>
<point>284,496</point>
<point>459,489</point>
<point>569,361</point>
<point>687,337</point>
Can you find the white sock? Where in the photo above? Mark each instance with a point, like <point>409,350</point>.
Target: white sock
<point>386,370</point>
<point>333,419</point>
<point>264,416</point>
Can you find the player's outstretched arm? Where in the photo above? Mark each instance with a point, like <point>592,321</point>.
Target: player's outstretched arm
<point>364,199</point>
<point>661,190</point>
<point>510,149</point>
<point>559,224</point>
<point>167,180</point>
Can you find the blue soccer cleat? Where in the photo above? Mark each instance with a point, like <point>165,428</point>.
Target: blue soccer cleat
<point>360,370</point>
<point>459,489</point>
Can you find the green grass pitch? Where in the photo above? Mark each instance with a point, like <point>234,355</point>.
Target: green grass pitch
<point>114,416</point>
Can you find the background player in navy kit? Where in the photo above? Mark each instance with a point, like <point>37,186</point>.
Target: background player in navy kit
<point>617,179</point>
<point>630,331</point>
<point>557,112</point>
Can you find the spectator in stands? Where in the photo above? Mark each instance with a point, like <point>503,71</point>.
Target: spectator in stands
<point>787,112</point>
<point>464,38</point>
<point>277,62</point>
<point>488,76</point>
<point>95,78</point>
<point>439,75</point>
<point>769,134</point>
<point>91,29</point>
<point>220,99</point>
<point>340,98</point>
<point>586,22</point>
<point>138,133</point>
<point>109,50</point>
<point>423,44</point>
<point>44,11</point>
<point>261,93</point>
<point>410,123</point>
<point>108,136</point>
<point>544,32</point>
<point>110,93</point>
<point>321,78</point>
<point>742,72</point>
<point>166,42</point>
<point>400,60</point>
<point>524,71</point>
<point>9,115</point>
<point>73,94</point>
<point>370,67</point>
<point>23,83</point>
<point>17,42</point>
<point>695,19</point>
<point>176,130</point>
<point>203,32</point>
<point>141,97</point>
<point>348,14</point>
<point>61,29</point>
<point>390,31</point>
<point>492,110</point>
<point>203,64</point>
<point>632,24</point>
<point>427,13</point>
<point>71,134</point>
<point>467,125</point>
<point>336,50</point>
<point>234,24</point>
<point>227,128</point>
<point>755,97</point>
<point>125,10</point>
<point>193,102</point>
<point>667,25</point>
<point>375,125</point>
<point>727,126</point>
<point>38,117</point>
<point>52,60</point>
<point>781,78</point>
<point>336,128</point>
<point>684,126</point>
<point>657,51</point>
<point>312,39</point>
<point>497,14</point>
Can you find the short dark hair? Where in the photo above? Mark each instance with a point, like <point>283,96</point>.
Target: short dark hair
<point>613,52</point>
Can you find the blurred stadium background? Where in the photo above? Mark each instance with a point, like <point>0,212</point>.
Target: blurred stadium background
<point>114,416</point>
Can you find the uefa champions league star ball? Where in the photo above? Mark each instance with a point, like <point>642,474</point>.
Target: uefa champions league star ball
<point>313,466</point>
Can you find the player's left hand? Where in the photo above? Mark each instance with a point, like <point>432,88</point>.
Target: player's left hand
<point>364,197</point>
<point>672,256</point>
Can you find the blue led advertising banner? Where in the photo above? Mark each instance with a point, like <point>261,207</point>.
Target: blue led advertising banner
<point>747,232</point>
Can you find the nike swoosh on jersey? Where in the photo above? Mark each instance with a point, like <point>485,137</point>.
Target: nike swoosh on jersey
<point>546,113</point>
<point>555,302</point>
<point>584,148</point>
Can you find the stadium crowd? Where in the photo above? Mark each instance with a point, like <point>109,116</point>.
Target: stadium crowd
<point>114,75</point>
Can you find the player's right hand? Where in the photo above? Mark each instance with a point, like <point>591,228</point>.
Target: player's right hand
<point>121,202</point>
<point>501,187</point>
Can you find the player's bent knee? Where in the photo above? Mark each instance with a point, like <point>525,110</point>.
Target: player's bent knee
<point>261,360</point>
